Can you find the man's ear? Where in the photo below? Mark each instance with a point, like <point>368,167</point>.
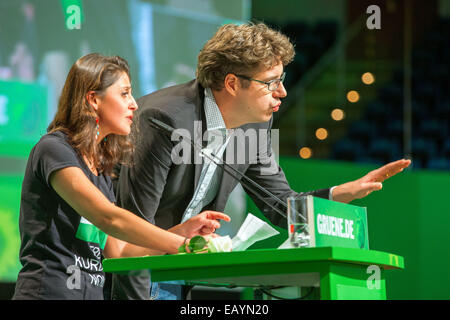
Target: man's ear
<point>231,84</point>
<point>92,99</point>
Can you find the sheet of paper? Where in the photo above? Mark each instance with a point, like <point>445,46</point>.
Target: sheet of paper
<point>220,244</point>
<point>252,230</point>
<point>286,245</point>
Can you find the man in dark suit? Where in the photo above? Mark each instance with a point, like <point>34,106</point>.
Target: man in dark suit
<point>239,85</point>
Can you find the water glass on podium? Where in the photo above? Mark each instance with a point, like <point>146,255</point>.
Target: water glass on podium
<point>298,228</point>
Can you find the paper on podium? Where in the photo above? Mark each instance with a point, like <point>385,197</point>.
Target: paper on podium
<point>252,230</point>
<point>220,244</point>
<point>286,245</point>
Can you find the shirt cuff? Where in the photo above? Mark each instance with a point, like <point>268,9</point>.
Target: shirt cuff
<point>330,197</point>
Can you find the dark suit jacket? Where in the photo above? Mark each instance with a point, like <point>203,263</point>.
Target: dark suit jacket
<point>159,190</point>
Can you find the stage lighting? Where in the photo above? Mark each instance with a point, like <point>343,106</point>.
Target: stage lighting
<point>337,114</point>
<point>305,153</point>
<point>321,134</point>
<point>368,78</point>
<point>353,96</point>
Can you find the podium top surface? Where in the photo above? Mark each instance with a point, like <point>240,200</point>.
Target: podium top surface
<point>250,262</point>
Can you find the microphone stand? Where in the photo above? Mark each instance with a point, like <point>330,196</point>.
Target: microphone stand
<point>248,183</point>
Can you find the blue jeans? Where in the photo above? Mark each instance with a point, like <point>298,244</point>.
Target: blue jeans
<point>169,290</point>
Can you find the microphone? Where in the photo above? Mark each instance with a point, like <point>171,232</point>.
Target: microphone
<point>248,183</point>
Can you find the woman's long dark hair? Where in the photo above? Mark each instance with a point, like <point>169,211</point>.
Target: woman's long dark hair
<point>76,118</point>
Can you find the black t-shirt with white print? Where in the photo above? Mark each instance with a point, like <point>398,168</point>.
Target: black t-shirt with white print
<point>61,252</point>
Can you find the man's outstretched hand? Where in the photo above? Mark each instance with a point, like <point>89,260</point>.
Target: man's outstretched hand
<point>370,182</point>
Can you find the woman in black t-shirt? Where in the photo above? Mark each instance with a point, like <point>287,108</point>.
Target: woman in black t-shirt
<point>68,219</point>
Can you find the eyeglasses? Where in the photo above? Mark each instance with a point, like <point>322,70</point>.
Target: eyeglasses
<point>272,85</point>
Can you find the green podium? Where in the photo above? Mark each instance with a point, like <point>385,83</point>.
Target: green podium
<point>340,273</point>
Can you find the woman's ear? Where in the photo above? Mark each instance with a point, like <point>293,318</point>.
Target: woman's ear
<point>92,99</point>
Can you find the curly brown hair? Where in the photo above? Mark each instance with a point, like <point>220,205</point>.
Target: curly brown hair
<point>76,118</point>
<point>241,49</point>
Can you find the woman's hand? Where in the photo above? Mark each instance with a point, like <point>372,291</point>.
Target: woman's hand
<point>204,223</point>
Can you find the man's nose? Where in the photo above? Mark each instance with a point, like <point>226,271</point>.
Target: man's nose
<point>281,91</point>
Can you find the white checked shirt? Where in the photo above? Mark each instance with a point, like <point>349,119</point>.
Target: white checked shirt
<point>210,177</point>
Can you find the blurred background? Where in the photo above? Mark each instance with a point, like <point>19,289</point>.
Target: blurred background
<point>363,90</point>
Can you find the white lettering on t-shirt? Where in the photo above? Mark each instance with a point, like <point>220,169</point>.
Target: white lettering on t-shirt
<point>88,263</point>
<point>97,280</point>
